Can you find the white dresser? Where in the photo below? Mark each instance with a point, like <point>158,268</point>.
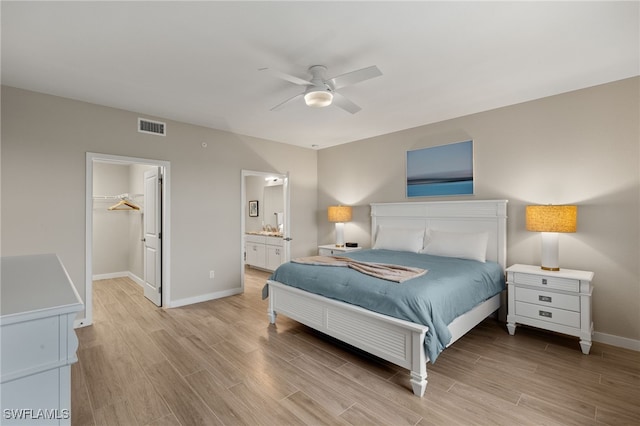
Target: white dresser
<point>37,309</point>
<point>559,301</point>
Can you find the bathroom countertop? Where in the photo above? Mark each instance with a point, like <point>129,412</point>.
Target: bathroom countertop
<point>265,233</point>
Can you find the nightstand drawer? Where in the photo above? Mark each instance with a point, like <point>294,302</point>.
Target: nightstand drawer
<point>548,299</point>
<point>549,314</point>
<point>332,250</point>
<point>544,281</point>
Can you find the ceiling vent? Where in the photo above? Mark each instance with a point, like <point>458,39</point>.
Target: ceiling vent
<point>152,127</point>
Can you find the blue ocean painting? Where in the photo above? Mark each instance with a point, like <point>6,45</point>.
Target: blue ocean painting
<point>440,170</point>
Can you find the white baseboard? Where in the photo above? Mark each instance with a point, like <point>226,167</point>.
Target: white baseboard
<point>203,298</point>
<point>621,342</point>
<point>121,274</point>
<point>110,275</point>
<point>136,279</point>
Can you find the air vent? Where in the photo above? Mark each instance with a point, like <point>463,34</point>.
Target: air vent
<point>152,127</point>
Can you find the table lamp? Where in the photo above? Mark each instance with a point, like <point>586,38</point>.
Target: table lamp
<point>550,220</point>
<point>339,215</point>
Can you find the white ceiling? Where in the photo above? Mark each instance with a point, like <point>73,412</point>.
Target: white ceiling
<point>198,62</point>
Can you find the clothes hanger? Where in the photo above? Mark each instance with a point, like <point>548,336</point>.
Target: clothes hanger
<point>124,205</point>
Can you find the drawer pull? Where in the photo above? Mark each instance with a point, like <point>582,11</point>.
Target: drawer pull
<point>544,281</point>
<point>544,298</point>
<point>545,314</point>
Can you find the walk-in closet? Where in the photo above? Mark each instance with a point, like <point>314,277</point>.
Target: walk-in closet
<point>118,209</point>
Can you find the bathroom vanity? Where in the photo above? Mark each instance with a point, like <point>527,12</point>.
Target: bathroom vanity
<point>263,251</point>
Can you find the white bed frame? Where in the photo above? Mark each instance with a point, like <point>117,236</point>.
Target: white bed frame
<point>395,340</point>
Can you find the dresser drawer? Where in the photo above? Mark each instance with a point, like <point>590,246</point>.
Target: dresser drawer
<point>548,314</point>
<point>30,344</point>
<point>543,281</point>
<point>544,298</point>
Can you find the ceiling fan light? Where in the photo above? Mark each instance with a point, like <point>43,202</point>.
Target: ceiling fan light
<point>318,98</point>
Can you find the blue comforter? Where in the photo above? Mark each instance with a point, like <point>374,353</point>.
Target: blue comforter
<point>450,288</point>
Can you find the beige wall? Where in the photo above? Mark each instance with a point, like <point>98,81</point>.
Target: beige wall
<point>254,187</point>
<point>581,147</point>
<point>111,249</point>
<point>44,144</point>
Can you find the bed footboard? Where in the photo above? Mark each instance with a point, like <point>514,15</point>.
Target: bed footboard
<point>397,341</point>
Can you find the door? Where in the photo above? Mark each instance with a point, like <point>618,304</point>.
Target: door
<point>152,224</point>
<point>286,237</point>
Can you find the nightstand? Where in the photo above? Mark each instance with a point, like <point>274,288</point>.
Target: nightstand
<point>332,250</point>
<point>559,301</point>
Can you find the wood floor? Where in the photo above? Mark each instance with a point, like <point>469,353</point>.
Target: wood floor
<point>221,363</point>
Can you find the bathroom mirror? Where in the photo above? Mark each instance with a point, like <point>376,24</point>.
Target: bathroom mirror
<point>270,195</point>
<point>273,202</point>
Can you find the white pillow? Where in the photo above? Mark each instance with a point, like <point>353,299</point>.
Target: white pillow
<point>465,245</point>
<point>399,239</point>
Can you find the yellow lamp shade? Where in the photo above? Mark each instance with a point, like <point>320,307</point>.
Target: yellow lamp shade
<point>552,218</point>
<point>339,213</point>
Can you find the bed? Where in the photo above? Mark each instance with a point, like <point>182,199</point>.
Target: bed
<point>407,341</point>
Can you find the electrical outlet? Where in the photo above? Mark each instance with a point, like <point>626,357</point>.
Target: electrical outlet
<point>212,274</point>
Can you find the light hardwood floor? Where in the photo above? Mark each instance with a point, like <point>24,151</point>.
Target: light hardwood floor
<point>221,363</point>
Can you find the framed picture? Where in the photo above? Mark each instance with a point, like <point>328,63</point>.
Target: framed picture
<point>253,208</point>
<point>440,170</point>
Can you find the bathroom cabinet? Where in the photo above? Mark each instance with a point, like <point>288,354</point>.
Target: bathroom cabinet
<point>263,251</point>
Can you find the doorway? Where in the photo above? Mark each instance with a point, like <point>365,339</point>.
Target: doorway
<point>154,271</point>
<point>265,205</point>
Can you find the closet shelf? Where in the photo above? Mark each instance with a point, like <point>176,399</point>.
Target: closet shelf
<point>125,202</point>
<point>117,197</point>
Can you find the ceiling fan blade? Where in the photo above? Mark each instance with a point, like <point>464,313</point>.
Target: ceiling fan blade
<point>285,102</point>
<point>286,77</point>
<point>345,103</point>
<point>354,77</point>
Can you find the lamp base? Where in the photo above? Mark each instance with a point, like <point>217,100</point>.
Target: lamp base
<point>548,268</point>
<point>550,251</point>
<point>339,234</point>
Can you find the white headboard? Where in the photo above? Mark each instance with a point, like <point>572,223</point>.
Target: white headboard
<point>454,216</point>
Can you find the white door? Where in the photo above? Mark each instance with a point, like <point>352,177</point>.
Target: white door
<point>153,235</point>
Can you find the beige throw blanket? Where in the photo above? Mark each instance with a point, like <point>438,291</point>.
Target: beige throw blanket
<point>395,273</point>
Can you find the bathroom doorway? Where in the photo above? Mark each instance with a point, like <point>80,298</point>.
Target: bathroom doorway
<point>266,217</point>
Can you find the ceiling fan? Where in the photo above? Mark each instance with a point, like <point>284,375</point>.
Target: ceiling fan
<point>321,91</point>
